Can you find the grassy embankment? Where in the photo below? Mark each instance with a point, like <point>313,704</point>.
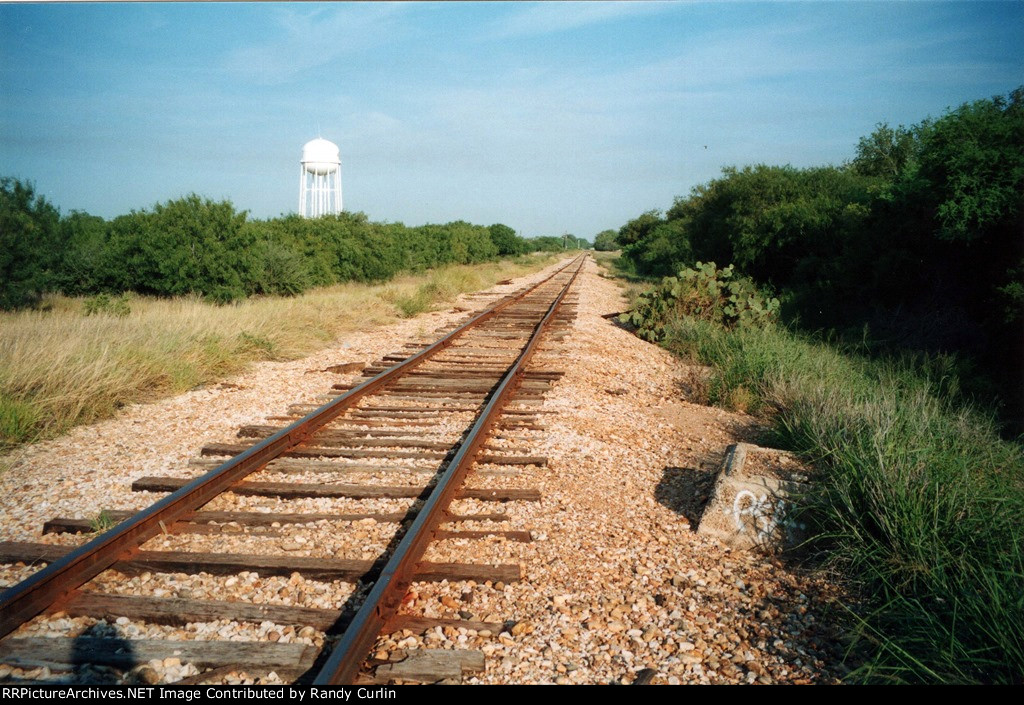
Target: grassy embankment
<point>60,367</point>
<point>918,502</point>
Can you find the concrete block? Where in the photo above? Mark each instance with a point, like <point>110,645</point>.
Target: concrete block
<point>751,501</point>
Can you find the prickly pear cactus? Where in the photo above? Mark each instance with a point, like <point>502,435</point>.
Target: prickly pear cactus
<point>703,291</point>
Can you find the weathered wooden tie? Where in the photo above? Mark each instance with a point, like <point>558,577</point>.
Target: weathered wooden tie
<point>311,568</point>
<point>295,490</point>
<point>215,521</point>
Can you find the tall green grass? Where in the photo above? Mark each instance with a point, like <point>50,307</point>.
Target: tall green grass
<point>918,499</point>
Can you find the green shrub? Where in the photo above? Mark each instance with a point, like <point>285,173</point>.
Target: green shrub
<point>604,241</point>
<point>918,238</point>
<point>107,304</point>
<point>705,293</point>
<point>30,244</point>
<point>193,245</point>
<point>278,269</point>
<point>506,240</point>
<point>187,246</point>
<point>545,243</point>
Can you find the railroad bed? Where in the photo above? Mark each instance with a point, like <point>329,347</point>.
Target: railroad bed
<point>315,528</point>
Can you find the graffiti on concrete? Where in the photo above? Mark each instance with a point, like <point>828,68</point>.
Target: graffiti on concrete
<point>756,514</point>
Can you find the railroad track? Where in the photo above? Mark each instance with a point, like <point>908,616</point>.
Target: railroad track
<point>370,475</point>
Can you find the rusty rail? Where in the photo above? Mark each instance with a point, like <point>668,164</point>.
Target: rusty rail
<point>381,604</point>
<point>63,577</point>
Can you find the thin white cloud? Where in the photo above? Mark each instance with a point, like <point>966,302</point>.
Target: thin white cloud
<point>551,17</point>
<point>312,38</point>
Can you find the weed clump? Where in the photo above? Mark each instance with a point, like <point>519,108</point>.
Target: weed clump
<point>106,304</point>
<point>706,293</point>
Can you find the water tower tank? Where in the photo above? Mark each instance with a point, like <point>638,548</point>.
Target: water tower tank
<point>320,156</point>
<point>319,179</point>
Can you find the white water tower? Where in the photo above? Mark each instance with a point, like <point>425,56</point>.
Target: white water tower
<point>319,179</point>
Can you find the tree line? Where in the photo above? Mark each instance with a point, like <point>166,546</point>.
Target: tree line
<point>917,243</point>
<point>193,245</point>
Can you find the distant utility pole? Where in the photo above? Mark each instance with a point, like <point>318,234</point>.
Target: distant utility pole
<point>565,237</point>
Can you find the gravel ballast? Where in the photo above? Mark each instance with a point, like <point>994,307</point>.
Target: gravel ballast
<point>614,582</point>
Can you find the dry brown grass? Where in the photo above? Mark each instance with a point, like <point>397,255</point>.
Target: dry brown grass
<point>60,367</point>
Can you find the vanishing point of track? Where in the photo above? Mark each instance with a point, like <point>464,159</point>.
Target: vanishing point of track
<point>479,369</point>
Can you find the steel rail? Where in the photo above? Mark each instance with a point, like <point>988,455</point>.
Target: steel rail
<point>60,579</point>
<point>342,666</point>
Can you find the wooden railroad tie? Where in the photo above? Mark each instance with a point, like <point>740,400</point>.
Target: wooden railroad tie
<point>219,449</point>
<point>214,522</point>
<point>309,567</point>
<point>298,490</point>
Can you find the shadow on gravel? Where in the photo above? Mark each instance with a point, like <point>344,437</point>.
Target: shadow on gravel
<point>686,491</point>
<point>100,655</point>
<point>786,614</point>
<point>614,320</point>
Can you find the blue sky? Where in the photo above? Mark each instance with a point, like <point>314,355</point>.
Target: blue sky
<point>548,117</point>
